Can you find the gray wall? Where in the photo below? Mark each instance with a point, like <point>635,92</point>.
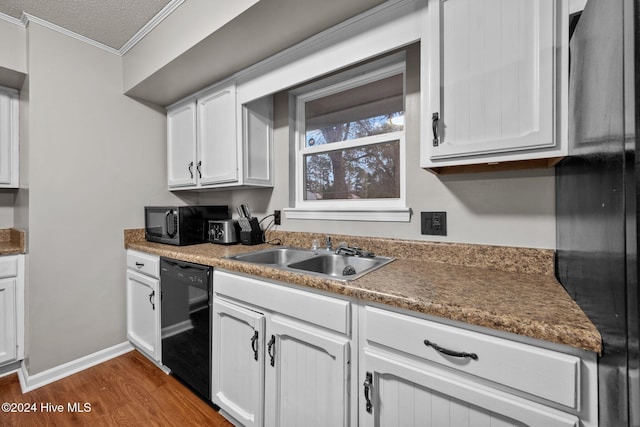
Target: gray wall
<point>498,208</point>
<point>95,158</point>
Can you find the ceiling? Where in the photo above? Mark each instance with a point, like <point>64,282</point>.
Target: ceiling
<point>109,22</point>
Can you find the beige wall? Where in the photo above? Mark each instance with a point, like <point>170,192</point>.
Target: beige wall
<point>95,158</point>
<point>184,28</point>
<point>13,53</point>
<point>507,209</point>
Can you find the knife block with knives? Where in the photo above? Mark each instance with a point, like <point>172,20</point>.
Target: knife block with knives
<point>250,231</point>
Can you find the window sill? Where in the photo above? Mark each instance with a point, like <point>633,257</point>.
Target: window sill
<point>384,214</point>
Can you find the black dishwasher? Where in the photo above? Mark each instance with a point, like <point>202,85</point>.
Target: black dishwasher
<point>185,291</point>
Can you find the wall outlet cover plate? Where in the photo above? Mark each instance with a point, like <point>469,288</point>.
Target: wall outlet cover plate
<point>433,223</point>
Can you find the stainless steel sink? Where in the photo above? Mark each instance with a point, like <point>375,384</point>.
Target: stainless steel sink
<point>317,263</point>
<point>275,256</point>
<point>340,266</point>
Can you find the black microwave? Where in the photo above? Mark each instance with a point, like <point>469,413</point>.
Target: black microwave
<point>180,225</point>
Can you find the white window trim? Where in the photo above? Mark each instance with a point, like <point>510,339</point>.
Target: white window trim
<point>392,210</point>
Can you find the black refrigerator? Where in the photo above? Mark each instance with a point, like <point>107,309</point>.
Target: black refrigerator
<point>597,197</point>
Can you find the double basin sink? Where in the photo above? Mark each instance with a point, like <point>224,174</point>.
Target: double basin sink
<point>315,262</point>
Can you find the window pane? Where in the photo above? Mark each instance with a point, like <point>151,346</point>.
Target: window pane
<point>371,109</point>
<point>368,172</point>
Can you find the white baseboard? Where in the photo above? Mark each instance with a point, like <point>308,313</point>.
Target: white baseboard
<point>31,382</point>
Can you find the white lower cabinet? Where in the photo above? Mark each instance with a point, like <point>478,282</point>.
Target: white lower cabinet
<point>7,320</point>
<point>11,309</point>
<point>307,376</point>
<point>238,368</point>
<point>280,364</point>
<point>143,304</point>
<point>284,356</point>
<point>415,372</point>
<point>403,393</point>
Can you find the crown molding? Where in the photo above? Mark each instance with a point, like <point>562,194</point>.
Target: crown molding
<point>149,26</point>
<point>11,20</point>
<point>146,29</point>
<point>31,18</point>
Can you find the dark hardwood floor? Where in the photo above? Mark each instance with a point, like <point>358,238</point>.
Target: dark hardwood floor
<point>125,391</point>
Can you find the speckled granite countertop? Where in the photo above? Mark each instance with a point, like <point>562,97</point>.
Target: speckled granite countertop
<point>506,289</point>
<point>12,241</point>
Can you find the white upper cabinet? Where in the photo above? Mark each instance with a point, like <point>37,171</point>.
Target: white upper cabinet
<point>9,99</point>
<point>213,142</point>
<point>495,82</point>
<point>181,145</point>
<point>217,153</point>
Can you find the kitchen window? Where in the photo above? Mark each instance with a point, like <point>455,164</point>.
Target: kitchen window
<point>349,144</point>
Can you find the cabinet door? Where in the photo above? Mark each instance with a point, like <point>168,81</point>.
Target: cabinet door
<point>405,394</point>
<point>181,145</point>
<point>8,138</point>
<point>307,376</point>
<point>8,346</point>
<point>491,77</point>
<point>238,361</point>
<point>143,313</point>
<point>217,155</point>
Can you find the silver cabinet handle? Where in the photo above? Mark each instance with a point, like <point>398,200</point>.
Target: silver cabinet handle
<point>198,168</point>
<point>191,169</point>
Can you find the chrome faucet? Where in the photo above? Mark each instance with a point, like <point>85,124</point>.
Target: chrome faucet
<point>350,251</point>
<point>328,245</point>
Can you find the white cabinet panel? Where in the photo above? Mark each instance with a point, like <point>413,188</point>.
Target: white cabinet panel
<point>405,394</point>
<point>217,155</point>
<point>548,374</point>
<point>325,311</point>
<point>143,313</point>
<point>9,266</point>
<point>8,343</point>
<point>307,377</point>
<point>495,75</point>
<point>181,145</point>
<point>238,361</point>
<point>143,263</point>
<point>11,308</point>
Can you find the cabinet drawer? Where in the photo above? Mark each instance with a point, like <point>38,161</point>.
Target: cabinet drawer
<point>330,313</point>
<point>144,263</point>
<point>544,373</point>
<point>8,267</point>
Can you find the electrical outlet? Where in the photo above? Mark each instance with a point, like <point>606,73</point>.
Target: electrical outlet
<point>433,223</point>
<point>276,217</point>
